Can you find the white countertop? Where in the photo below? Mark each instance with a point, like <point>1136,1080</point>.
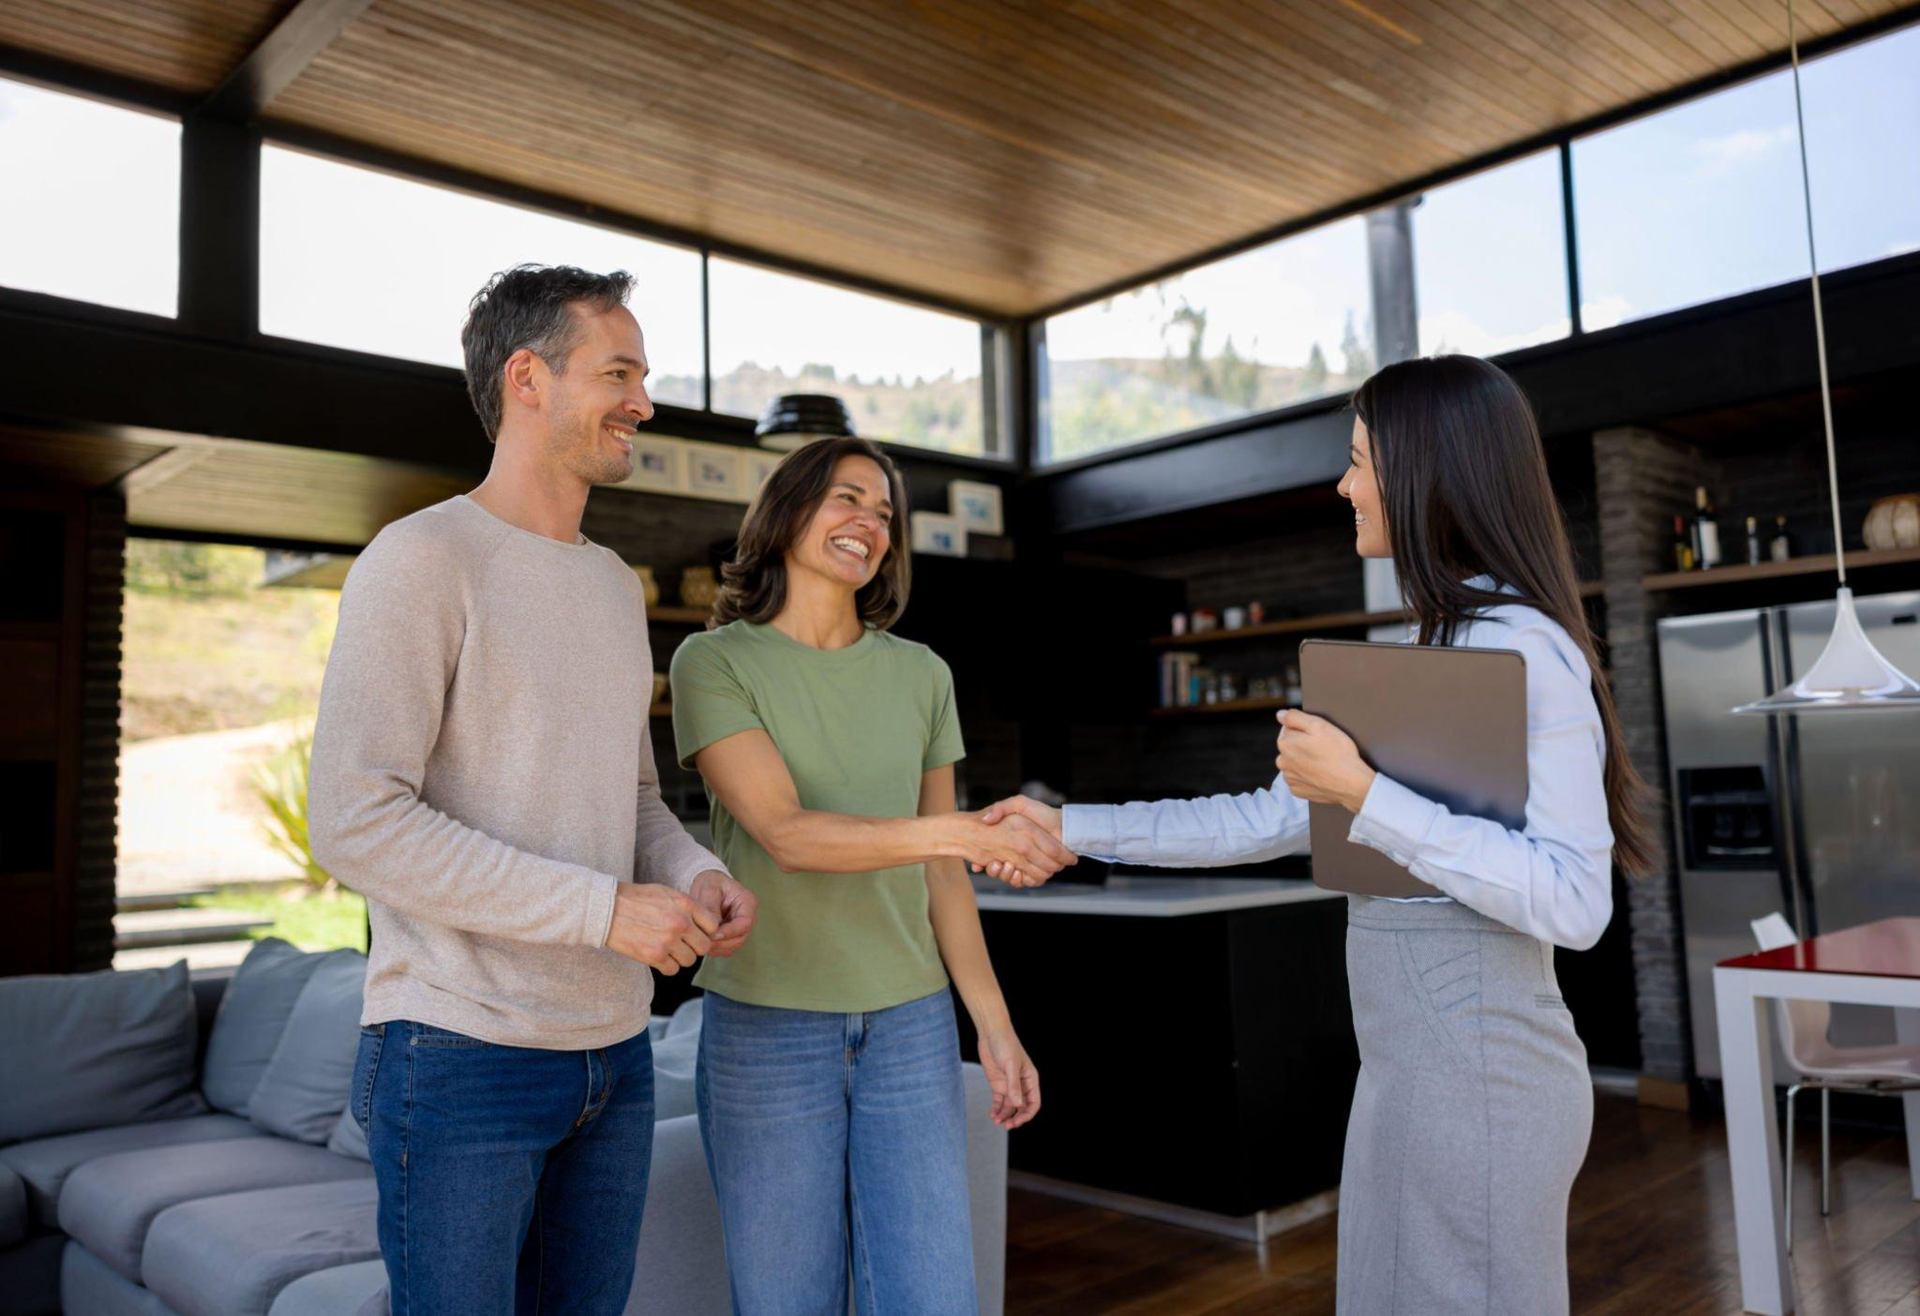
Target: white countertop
<point>1151,897</point>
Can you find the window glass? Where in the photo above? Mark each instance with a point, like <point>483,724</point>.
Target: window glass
<point>906,373</point>
<point>355,258</point>
<point>1490,260</point>
<point>1281,324</point>
<point>92,206</point>
<point>1703,200</point>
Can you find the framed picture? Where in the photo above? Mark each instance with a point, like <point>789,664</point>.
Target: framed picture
<point>977,506</point>
<point>717,472</point>
<point>939,533</point>
<point>659,466</point>
<point>760,469</point>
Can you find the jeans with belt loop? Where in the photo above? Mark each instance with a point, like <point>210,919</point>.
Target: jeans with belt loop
<point>511,1179</point>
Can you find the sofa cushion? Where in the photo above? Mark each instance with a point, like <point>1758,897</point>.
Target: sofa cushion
<point>304,1088</point>
<point>90,1285</point>
<point>232,1256</point>
<point>30,1277</point>
<point>14,1217</point>
<point>253,1014</point>
<point>341,1291</point>
<point>680,1268</point>
<point>674,1061</point>
<point>687,1018</point>
<point>109,1204</point>
<point>45,1163</point>
<point>348,1138</point>
<point>87,1050</point>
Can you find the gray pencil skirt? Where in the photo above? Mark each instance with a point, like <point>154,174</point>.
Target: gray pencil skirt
<point>1470,1119</point>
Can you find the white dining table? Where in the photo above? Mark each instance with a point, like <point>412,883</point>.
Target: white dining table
<point>1873,964</point>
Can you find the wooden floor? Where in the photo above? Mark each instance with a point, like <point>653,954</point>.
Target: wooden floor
<point>1650,1230</point>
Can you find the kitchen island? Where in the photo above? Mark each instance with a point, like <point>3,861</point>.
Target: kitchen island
<point>1193,1037</point>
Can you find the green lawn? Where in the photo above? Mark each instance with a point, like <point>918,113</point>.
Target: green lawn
<point>300,914</point>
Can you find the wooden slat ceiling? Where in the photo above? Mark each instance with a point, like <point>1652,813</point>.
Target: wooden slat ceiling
<point>182,45</point>
<point>998,154</point>
<point>265,490</point>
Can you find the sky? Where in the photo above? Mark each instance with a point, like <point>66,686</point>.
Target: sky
<point>1697,202</point>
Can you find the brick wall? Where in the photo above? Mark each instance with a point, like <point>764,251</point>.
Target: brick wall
<point>96,857</point>
<point>1641,479</point>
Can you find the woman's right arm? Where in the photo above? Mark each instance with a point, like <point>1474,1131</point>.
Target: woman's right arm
<point>1201,833</point>
<point>747,775</point>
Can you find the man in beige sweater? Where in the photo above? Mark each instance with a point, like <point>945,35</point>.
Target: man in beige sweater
<point>483,772</point>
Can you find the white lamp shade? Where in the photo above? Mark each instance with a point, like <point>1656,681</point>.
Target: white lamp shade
<point>1849,676</point>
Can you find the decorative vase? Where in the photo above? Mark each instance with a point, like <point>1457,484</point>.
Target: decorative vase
<point>1894,522</point>
<point>698,588</point>
<point>649,587</point>
<point>659,686</point>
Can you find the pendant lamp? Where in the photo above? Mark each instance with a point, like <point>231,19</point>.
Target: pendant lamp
<point>1850,675</point>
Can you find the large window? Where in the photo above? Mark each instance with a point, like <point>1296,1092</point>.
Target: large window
<point>906,373</point>
<point>1703,201</point>
<point>223,659</point>
<point>355,258</point>
<point>1281,324</point>
<point>92,206</point>
<point>1490,260</point>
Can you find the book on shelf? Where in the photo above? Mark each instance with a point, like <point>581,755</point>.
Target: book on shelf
<point>1178,685</point>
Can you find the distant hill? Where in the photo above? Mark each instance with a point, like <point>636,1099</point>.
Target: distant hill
<point>1094,405</point>
<point>942,413</point>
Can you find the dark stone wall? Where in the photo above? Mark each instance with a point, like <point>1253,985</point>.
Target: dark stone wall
<point>96,851</point>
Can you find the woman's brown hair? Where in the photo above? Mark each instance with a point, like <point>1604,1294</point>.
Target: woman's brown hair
<point>1464,482</point>
<point>753,586</point>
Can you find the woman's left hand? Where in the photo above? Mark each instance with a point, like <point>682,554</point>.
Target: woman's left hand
<point>1011,1075</point>
<point>1321,763</point>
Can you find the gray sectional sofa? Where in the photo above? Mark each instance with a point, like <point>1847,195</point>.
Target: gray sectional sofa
<point>178,1146</point>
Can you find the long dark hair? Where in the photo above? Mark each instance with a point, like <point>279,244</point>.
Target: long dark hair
<point>753,586</point>
<point>1463,480</point>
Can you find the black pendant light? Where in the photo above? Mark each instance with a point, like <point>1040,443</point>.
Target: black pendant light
<point>794,419</point>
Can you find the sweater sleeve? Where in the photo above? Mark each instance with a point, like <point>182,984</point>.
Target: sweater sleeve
<point>403,618</point>
<point>662,850</point>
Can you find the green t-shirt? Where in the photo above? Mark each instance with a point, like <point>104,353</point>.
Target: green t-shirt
<point>857,727</point>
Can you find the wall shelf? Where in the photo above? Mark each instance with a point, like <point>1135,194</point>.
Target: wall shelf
<point>1799,566</point>
<point>660,710</point>
<point>679,616</point>
<point>1231,706</point>
<point>1325,621</point>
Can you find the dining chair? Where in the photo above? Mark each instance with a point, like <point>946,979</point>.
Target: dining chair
<point>1878,1070</point>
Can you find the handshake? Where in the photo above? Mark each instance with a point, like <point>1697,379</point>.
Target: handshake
<point>1017,841</point>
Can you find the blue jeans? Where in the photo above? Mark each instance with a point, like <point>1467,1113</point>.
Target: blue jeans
<point>511,1179</point>
<point>837,1142</point>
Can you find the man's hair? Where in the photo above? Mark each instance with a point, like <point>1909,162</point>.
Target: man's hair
<point>529,306</point>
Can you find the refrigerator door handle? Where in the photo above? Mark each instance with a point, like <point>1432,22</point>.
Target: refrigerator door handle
<point>1783,770</point>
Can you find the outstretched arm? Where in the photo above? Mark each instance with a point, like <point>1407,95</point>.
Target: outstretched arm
<point>748,776</point>
<point>1199,833</point>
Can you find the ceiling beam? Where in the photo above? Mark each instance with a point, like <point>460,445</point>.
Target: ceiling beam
<point>282,55</point>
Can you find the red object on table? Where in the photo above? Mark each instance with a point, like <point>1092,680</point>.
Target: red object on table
<point>1886,948</point>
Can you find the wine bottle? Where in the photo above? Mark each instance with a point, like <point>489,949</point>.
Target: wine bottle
<point>1756,551</point>
<point>1682,545</point>
<point>1782,545</point>
<point>1706,530</point>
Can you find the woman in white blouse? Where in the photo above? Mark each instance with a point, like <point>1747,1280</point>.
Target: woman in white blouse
<point>1473,1107</point>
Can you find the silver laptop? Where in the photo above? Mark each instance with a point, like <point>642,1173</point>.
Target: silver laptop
<point>1449,724</point>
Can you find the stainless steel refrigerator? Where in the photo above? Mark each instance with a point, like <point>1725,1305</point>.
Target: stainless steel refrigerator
<point>1816,816</point>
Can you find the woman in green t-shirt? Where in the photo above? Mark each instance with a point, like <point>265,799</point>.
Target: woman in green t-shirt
<point>829,1075</point>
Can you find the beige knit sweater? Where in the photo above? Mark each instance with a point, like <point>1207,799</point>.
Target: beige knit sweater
<point>483,773</point>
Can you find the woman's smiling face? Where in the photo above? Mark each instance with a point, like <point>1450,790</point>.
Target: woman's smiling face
<point>1361,487</point>
<point>851,530</point>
